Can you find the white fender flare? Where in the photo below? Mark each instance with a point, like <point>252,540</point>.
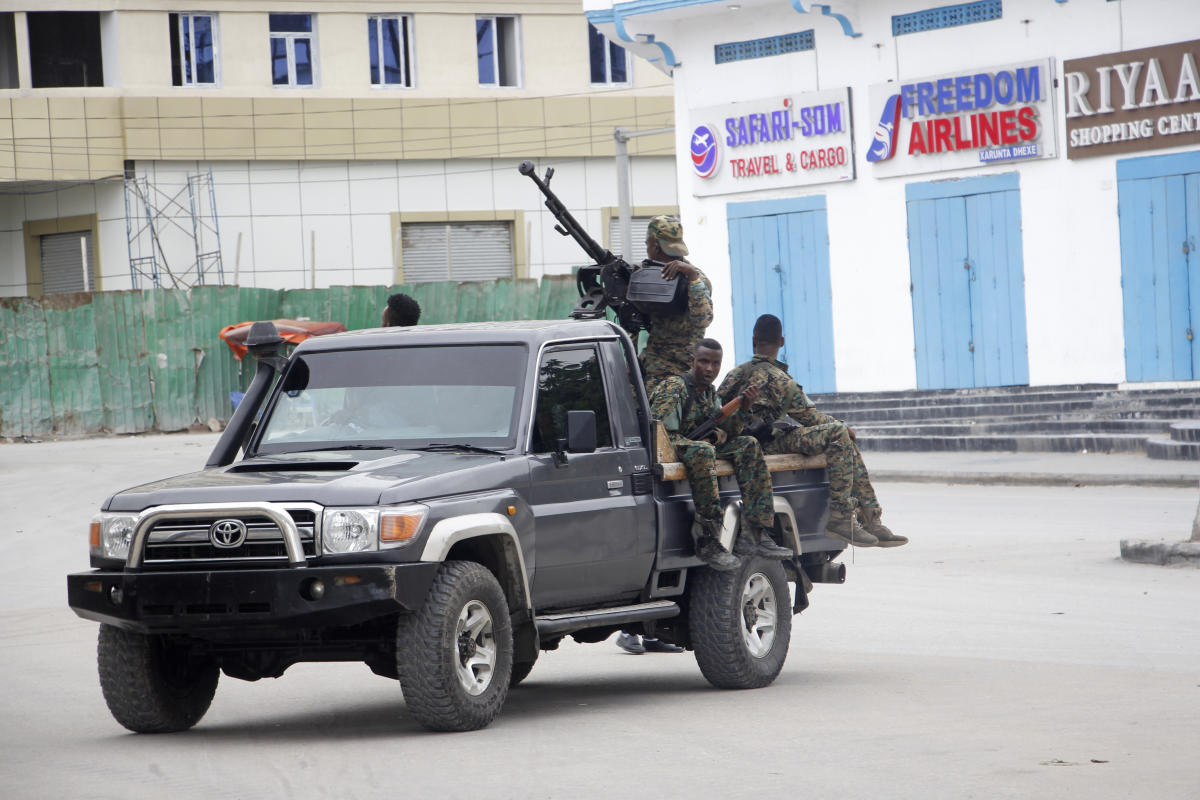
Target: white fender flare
<point>782,508</point>
<point>448,532</point>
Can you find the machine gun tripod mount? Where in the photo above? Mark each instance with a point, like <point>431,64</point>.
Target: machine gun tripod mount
<point>633,294</point>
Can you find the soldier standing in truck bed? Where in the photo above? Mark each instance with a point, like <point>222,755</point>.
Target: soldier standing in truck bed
<point>809,432</point>
<point>673,337</point>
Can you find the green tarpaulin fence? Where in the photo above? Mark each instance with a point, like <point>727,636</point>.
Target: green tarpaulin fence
<point>136,361</point>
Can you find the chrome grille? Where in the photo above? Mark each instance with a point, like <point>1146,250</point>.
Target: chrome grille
<point>187,539</point>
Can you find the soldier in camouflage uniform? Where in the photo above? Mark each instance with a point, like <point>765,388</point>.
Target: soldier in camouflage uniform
<point>673,337</point>
<point>781,397</point>
<point>684,401</point>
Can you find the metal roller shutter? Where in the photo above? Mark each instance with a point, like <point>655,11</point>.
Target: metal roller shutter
<point>457,251</point>
<point>637,233</point>
<point>63,263</point>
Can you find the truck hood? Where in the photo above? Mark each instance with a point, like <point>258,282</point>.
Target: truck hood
<point>331,478</point>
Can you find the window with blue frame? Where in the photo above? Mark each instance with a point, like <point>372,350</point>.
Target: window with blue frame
<point>761,48</point>
<point>193,49</point>
<point>610,65</point>
<point>498,48</point>
<point>947,17</point>
<point>390,42</point>
<point>293,50</point>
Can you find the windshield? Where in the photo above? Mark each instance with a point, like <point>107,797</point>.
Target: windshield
<point>405,397</point>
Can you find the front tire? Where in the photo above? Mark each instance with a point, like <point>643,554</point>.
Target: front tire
<point>152,685</point>
<point>741,624</point>
<point>454,655</point>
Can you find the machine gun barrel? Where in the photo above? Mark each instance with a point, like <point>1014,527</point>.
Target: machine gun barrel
<point>567,224</point>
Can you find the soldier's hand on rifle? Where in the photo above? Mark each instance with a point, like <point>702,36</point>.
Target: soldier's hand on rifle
<point>749,396</point>
<point>718,437</point>
<point>673,268</point>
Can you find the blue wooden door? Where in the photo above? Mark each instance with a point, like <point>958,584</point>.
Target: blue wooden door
<point>968,283</point>
<point>1160,225</point>
<point>779,264</point>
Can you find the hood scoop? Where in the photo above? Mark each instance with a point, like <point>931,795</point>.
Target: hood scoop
<point>293,466</point>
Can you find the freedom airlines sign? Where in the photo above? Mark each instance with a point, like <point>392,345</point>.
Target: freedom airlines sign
<point>964,119</point>
<point>773,143</point>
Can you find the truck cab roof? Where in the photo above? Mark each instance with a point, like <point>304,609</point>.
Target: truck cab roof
<point>530,332</point>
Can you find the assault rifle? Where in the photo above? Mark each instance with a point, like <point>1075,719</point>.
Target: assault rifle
<point>710,423</point>
<point>607,283</point>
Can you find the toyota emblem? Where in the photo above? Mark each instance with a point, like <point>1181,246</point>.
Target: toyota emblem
<point>227,533</point>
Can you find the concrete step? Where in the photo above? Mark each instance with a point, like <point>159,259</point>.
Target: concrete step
<point>1164,447</point>
<point>1146,427</point>
<point>1091,443</point>
<point>982,390</point>
<point>841,405</point>
<point>995,409</point>
<point>1185,431</point>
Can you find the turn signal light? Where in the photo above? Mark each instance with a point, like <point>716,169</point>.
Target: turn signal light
<point>399,527</point>
<point>94,534</point>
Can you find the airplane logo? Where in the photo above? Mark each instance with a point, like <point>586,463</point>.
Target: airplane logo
<point>883,145</point>
<point>704,151</point>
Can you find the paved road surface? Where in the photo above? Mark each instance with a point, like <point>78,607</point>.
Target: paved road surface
<point>1005,653</point>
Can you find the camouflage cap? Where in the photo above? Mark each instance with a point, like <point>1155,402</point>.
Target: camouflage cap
<point>668,232</point>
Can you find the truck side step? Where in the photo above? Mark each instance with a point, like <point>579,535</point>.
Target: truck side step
<point>617,615</point>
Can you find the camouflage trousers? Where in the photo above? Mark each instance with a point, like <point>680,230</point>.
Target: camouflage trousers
<point>748,467</point>
<point>849,483</point>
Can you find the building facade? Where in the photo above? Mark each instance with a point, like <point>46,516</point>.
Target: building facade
<point>935,196</point>
<point>310,144</point>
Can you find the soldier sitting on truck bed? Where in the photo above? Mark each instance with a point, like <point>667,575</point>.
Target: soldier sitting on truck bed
<point>807,431</point>
<point>673,337</point>
<point>683,402</point>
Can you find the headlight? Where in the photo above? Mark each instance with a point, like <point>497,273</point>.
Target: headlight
<point>353,530</point>
<point>349,530</point>
<point>111,534</point>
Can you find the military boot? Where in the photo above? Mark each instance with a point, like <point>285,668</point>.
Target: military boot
<point>871,523</point>
<point>745,544</point>
<point>708,547</point>
<point>765,544</point>
<point>844,527</point>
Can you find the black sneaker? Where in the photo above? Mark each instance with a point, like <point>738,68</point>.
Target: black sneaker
<point>659,646</point>
<point>630,643</point>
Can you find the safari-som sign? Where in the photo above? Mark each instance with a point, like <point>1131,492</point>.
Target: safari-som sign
<point>788,141</point>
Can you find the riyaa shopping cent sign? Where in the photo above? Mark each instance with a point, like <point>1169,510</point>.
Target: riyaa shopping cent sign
<point>965,119</point>
<point>773,143</point>
<point>1131,101</point>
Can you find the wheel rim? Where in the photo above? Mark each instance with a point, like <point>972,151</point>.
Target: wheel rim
<point>476,643</point>
<point>759,614</point>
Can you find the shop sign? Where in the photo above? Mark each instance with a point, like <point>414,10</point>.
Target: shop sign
<point>970,118</point>
<point>772,143</point>
<point>1131,101</point>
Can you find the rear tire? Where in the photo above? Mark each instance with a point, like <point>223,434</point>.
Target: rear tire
<point>741,624</point>
<point>454,655</point>
<point>152,685</point>
<point>520,671</point>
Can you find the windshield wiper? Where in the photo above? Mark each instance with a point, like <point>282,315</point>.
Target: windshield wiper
<point>348,447</point>
<point>466,448</point>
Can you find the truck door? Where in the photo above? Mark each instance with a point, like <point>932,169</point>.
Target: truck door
<point>590,539</point>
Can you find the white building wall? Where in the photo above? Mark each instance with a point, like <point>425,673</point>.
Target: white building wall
<point>1068,207</point>
<point>278,219</point>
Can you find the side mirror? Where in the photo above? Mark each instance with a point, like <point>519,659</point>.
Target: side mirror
<point>581,431</point>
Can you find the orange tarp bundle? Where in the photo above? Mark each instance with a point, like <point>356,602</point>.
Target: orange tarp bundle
<point>292,330</point>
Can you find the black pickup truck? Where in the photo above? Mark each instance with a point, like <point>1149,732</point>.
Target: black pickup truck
<point>442,503</point>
